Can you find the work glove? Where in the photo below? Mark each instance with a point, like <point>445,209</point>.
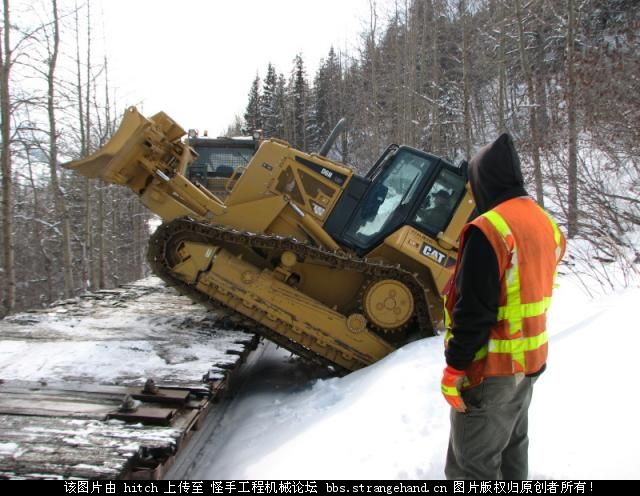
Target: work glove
<point>450,385</point>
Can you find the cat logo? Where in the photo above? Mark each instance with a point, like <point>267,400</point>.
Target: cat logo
<point>431,252</point>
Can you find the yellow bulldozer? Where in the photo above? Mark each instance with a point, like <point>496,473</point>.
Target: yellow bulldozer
<point>334,266</point>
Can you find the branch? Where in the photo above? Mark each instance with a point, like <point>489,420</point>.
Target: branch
<point>53,227</point>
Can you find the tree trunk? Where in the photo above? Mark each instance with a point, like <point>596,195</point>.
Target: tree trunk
<point>533,126</point>
<point>142,237</point>
<point>9,277</point>
<point>344,148</point>
<point>435,79</point>
<point>113,245</point>
<point>105,196</point>
<point>60,206</point>
<point>101,238</point>
<point>542,118</point>
<point>88,263</point>
<point>45,259</point>
<point>83,137</point>
<point>466,93</point>
<point>572,211</point>
<point>373,21</point>
<point>502,79</point>
<point>84,148</point>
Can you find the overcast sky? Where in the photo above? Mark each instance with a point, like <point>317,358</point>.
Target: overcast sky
<point>196,59</point>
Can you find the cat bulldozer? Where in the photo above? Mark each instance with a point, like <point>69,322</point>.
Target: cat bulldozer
<point>336,267</point>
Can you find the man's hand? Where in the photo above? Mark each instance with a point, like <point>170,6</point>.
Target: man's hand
<point>450,385</point>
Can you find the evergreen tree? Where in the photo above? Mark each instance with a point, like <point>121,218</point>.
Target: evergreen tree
<point>320,106</point>
<point>300,97</point>
<point>328,108</point>
<point>268,109</point>
<point>281,107</point>
<point>314,139</point>
<point>253,116</point>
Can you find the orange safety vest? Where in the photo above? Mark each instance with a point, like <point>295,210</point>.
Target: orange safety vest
<point>528,246</point>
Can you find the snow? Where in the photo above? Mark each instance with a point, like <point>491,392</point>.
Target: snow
<point>389,420</point>
<point>120,339</point>
<point>8,448</point>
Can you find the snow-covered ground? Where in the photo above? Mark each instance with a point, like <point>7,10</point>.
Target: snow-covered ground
<point>122,336</point>
<point>389,420</point>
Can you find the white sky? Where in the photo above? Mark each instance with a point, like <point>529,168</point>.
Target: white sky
<point>196,59</point>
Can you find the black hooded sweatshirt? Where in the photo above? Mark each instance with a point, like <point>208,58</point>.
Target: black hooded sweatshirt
<point>495,177</point>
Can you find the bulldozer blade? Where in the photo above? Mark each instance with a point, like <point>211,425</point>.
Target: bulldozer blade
<point>137,138</point>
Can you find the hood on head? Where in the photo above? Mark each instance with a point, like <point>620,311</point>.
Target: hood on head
<point>495,175</point>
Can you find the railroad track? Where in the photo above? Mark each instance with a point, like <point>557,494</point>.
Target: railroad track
<point>73,377</point>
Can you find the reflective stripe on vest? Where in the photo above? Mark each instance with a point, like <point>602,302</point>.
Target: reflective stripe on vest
<point>513,346</point>
<point>448,321</point>
<point>557,236</point>
<point>450,390</point>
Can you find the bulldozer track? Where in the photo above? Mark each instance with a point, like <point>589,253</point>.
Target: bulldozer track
<point>217,235</point>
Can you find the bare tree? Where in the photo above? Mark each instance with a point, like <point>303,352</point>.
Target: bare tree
<point>572,213</point>
<point>61,208</point>
<point>38,212</point>
<point>84,147</point>
<point>533,125</point>
<point>9,277</point>
<point>502,78</point>
<point>41,110</point>
<point>466,92</point>
<point>88,183</point>
<point>436,15</point>
<point>372,51</point>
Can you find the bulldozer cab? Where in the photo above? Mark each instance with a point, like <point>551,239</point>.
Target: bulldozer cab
<point>405,187</point>
<point>218,159</point>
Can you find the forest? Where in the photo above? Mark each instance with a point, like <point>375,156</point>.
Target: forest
<point>445,76</point>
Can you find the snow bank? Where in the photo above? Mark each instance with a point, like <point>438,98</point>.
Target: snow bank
<point>389,420</point>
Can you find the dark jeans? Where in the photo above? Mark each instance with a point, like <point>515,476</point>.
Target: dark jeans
<point>490,440</point>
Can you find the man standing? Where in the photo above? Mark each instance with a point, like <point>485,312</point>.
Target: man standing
<point>496,341</point>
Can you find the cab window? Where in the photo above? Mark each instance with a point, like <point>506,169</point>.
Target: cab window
<point>394,188</point>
